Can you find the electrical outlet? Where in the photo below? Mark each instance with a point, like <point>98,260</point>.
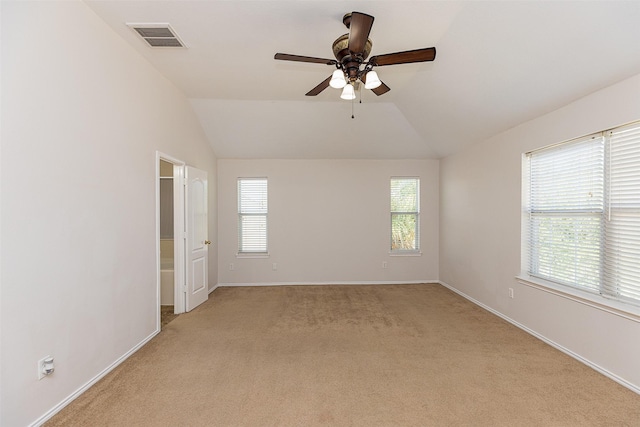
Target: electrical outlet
<point>274,267</point>
<point>45,367</point>
<point>510,292</point>
<point>232,267</point>
<point>384,264</point>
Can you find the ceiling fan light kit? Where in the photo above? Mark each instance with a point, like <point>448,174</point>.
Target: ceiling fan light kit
<point>351,51</point>
<point>348,92</point>
<point>373,81</point>
<point>338,80</point>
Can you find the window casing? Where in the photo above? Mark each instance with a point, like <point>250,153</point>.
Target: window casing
<point>582,205</point>
<point>405,215</point>
<point>252,215</point>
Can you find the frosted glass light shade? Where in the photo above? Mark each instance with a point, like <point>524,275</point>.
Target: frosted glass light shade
<point>337,80</point>
<point>372,80</point>
<point>348,92</point>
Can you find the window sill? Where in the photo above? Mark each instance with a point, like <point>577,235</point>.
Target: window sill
<point>599,302</point>
<point>253,255</point>
<point>405,253</point>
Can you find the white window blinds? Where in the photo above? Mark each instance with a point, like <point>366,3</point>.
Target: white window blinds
<point>584,213</point>
<point>565,212</point>
<point>405,214</point>
<point>252,215</point>
<point>622,237</point>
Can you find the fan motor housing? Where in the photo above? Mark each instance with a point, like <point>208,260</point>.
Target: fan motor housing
<point>341,48</point>
<point>350,64</point>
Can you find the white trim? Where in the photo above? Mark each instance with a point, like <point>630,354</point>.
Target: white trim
<point>405,253</point>
<point>599,302</point>
<point>178,225</point>
<point>73,396</point>
<point>603,371</point>
<point>250,255</point>
<point>214,288</point>
<point>346,283</point>
<point>179,251</point>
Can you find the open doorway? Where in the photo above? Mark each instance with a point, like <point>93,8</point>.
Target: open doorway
<point>170,241</point>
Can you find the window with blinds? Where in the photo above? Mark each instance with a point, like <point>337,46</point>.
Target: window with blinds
<point>252,215</point>
<point>622,225</point>
<point>405,215</point>
<point>583,207</point>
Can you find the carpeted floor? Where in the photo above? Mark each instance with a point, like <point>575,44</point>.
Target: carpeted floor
<point>399,355</point>
<point>166,315</point>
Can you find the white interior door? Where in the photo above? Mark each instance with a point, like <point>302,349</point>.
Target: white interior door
<point>197,239</point>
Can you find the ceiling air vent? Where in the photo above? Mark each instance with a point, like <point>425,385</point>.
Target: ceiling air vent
<point>158,35</point>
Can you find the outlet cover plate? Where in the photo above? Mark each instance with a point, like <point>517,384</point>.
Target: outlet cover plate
<point>41,374</point>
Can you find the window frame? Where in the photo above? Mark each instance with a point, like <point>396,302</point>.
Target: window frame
<point>416,251</point>
<point>241,215</point>
<point>572,213</point>
<point>601,297</point>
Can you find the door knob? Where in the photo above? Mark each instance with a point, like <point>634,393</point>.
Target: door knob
<point>207,242</point>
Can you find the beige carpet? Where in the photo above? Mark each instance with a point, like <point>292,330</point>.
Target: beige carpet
<point>400,355</point>
<point>167,315</point>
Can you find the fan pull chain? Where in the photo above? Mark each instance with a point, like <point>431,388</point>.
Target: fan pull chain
<point>352,116</point>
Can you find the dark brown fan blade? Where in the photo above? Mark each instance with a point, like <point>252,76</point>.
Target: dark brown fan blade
<point>382,89</point>
<point>298,58</point>
<point>322,86</point>
<point>359,30</point>
<point>406,57</point>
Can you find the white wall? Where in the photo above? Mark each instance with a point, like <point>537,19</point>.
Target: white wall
<point>328,221</point>
<point>1,275</point>
<point>480,200</point>
<point>82,117</point>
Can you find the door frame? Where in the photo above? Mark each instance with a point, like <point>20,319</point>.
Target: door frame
<point>179,302</point>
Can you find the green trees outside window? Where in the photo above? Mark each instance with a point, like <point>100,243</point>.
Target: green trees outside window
<point>405,212</point>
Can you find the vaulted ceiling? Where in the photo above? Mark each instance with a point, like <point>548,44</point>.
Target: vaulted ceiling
<point>498,64</point>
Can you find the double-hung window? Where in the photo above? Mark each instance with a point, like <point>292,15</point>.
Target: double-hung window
<point>252,215</point>
<point>405,215</point>
<point>582,200</point>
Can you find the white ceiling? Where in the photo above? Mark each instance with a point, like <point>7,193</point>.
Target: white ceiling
<point>498,64</point>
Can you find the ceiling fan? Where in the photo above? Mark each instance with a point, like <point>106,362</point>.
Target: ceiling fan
<point>351,50</point>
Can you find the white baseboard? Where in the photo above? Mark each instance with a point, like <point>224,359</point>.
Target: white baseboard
<point>91,382</point>
<point>348,283</point>
<point>552,343</point>
<point>214,288</point>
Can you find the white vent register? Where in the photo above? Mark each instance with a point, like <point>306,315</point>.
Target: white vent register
<point>158,35</point>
